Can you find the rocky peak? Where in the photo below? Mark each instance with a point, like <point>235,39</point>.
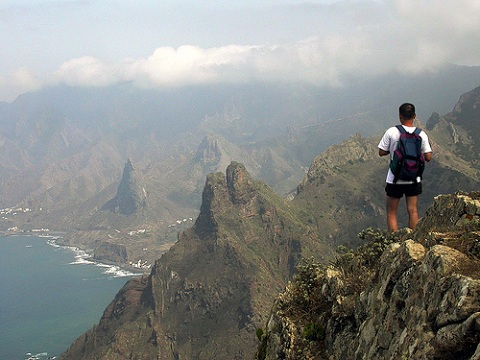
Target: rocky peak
<point>239,183</point>
<point>207,295</point>
<point>214,195</point>
<point>131,194</point>
<point>408,295</point>
<point>208,152</point>
<point>221,193</point>
<point>433,120</point>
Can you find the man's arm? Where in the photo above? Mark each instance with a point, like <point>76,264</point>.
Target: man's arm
<point>427,156</point>
<point>383,153</point>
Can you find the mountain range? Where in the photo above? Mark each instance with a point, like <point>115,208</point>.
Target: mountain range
<point>211,294</point>
<point>64,150</point>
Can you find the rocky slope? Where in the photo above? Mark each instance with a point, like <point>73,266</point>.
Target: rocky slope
<point>343,190</point>
<point>206,296</point>
<point>412,295</point>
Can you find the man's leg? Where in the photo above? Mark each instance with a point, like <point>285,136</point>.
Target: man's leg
<point>412,211</point>
<point>392,207</point>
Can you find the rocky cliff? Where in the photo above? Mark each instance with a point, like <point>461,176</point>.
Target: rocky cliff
<point>131,194</point>
<point>110,252</point>
<point>206,296</point>
<point>410,295</point>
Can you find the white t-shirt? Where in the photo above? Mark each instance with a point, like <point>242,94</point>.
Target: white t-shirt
<point>389,143</point>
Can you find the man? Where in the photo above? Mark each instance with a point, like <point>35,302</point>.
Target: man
<point>411,189</point>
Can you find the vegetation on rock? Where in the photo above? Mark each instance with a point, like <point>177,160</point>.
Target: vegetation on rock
<point>394,297</point>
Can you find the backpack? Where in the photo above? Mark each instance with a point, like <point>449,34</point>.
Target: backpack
<point>408,160</point>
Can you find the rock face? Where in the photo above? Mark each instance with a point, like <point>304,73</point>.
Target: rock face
<point>464,125</point>
<point>420,299</point>
<point>131,195</point>
<point>107,251</point>
<point>433,120</point>
<point>209,152</point>
<point>206,296</point>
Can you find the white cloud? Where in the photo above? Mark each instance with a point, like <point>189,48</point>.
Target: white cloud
<point>318,60</point>
<point>18,82</point>
<point>354,38</point>
<point>86,71</point>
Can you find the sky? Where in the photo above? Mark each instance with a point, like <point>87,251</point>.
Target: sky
<point>181,42</point>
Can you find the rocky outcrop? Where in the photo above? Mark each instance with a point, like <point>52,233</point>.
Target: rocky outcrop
<point>401,296</point>
<point>354,150</point>
<point>206,296</point>
<point>433,120</point>
<point>209,153</point>
<point>107,251</point>
<point>131,194</point>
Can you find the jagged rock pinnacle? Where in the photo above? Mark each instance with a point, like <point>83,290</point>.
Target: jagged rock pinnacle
<point>131,194</point>
<point>239,182</point>
<point>208,152</point>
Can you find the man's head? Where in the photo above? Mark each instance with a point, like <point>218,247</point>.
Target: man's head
<point>407,111</point>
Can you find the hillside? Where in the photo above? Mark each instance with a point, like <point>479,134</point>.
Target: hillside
<point>343,189</point>
<point>207,295</point>
<point>411,295</point>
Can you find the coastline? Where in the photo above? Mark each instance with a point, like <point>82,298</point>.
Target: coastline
<point>82,256</point>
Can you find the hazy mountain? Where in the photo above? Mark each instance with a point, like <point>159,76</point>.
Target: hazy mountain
<point>63,149</point>
<point>209,293</point>
<point>131,194</point>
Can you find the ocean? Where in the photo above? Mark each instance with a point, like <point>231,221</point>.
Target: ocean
<point>49,295</point>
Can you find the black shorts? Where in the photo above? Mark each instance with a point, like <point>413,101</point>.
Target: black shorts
<point>398,190</point>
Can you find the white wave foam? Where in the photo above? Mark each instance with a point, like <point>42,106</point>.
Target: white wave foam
<point>102,265</point>
<point>83,258</point>
<point>117,272</point>
<point>81,261</point>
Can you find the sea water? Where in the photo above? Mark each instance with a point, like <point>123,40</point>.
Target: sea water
<point>49,295</point>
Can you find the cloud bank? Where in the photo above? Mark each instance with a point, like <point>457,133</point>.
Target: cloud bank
<point>409,36</point>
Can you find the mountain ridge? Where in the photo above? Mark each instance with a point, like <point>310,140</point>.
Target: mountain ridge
<point>218,276</point>
<point>98,129</point>
<point>209,294</point>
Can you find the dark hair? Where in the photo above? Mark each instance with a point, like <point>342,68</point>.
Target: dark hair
<point>407,111</point>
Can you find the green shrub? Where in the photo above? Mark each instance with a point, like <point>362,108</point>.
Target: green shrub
<point>313,331</point>
<point>259,333</point>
